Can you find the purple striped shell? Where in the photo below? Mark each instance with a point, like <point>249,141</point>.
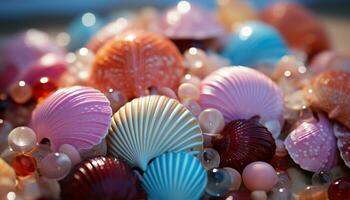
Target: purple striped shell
<point>79,116</point>
<point>313,145</point>
<point>241,93</point>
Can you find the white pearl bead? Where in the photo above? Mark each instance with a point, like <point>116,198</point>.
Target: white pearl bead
<point>55,166</point>
<point>22,139</point>
<point>71,152</point>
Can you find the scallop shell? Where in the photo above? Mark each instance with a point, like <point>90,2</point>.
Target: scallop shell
<point>254,44</point>
<point>343,142</point>
<point>150,126</point>
<point>241,93</point>
<point>330,92</point>
<point>243,142</point>
<point>101,178</point>
<point>136,61</point>
<point>310,36</point>
<point>175,176</point>
<point>79,116</point>
<point>312,144</point>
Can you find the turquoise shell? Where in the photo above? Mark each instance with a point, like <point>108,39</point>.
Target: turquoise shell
<point>175,176</point>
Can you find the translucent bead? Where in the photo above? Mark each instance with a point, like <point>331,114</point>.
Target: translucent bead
<point>195,58</point>
<point>49,188</point>
<point>339,189</point>
<point>211,121</point>
<point>314,192</point>
<point>116,99</point>
<point>192,106</point>
<point>188,91</point>
<point>321,178</point>
<point>296,100</point>
<point>22,139</point>
<point>210,158</point>
<point>24,165</point>
<point>97,150</point>
<point>188,78</point>
<point>71,152</point>
<point>274,126</point>
<point>55,166</point>
<point>20,92</point>
<point>259,176</point>
<point>5,129</point>
<point>43,88</point>
<point>8,155</point>
<point>283,181</point>
<point>29,189</point>
<point>167,92</point>
<point>219,182</point>
<point>40,151</point>
<point>280,194</point>
<point>258,195</point>
<point>236,179</point>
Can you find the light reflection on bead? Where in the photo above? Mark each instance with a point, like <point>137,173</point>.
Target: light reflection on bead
<point>210,158</point>
<point>116,98</point>
<point>236,178</point>
<point>259,176</point>
<point>71,152</point>
<point>24,165</point>
<point>20,92</point>
<point>314,192</point>
<point>192,106</point>
<point>321,178</point>
<point>211,121</point>
<point>22,139</point>
<point>55,166</point>
<point>188,91</point>
<point>218,182</point>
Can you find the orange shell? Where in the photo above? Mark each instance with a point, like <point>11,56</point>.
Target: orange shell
<point>330,92</point>
<point>136,61</point>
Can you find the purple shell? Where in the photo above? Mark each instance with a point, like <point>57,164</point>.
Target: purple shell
<point>313,145</point>
<point>189,22</point>
<point>79,116</point>
<point>343,142</point>
<point>241,93</point>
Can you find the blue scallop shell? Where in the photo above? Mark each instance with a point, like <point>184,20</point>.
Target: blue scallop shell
<point>175,176</point>
<point>253,44</point>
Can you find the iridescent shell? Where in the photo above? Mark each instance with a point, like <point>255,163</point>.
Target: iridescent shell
<point>79,116</point>
<point>241,93</point>
<point>101,178</point>
<point>150,126</point>
<point>310,36</point>
<point>343,142</point>
<point>330,92</point>
<point>175,176</point>
<point>254,44</point>
<point>136,61</point>
<point>243,142</point>
<point>313,145</point>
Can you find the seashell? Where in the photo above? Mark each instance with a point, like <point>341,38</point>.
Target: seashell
<point>101,178</point>
<point>241,93</point>
<point>343,143</point>
<point>254,44</point>
<point>329,92</point>
<point>310,36</point>
<point>175,176</point>
<point>79,116</point>
<point>149,126</point>
<point>312,144</point>
<point>243,142</point>
<point>327,60</point>
<point>136,61</point>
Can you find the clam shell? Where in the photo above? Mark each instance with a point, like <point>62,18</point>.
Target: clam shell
<point>241,93</point>
<point>330,92</point>
<point>343,143</point>
<point>135,61</point>
<point>243,142</point>
<point>254,44</point>
<point>101,178</point>
<point>149,126</point>
<point>312,145</point>
<point>79,116</point>
<point>175,176</point>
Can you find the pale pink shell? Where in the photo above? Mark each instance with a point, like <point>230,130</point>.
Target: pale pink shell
<point>241,93</point>
<point>312,145</point>
<point>343,142</point>
<point>79,116</point>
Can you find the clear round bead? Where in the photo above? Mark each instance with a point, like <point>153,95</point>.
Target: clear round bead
<point>22,139</point>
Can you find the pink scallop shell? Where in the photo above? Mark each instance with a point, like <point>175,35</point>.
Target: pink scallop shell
<point>312,145</point>
<point>241,93</point>
<point>343,143</point>
<point>79,116</point>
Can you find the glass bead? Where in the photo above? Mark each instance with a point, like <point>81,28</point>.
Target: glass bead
<point>22,139</point>
<point>20,92</point>
<point>211,121</point>
<point>24,165</point>
<point>40,151</point>
<point>299,181</point>
<point>259,176</point>
<point>236,179</point>
<point>43,88</point>
<point>97,150</point>
<point>196,61</point>
<point>296,100</point>
<point>29,188</point>
<point>116,98</point>
<point>55,166</point>
<point>5,129</point>
<point>167,92</point>
<point>339,189</point>
<point>274,126</point>
<point>258,195</point>
<point>8,155</point>
<point>192,106</point>
<point>188,91</point>
<point>71,152</point>
<point>218,182</point>
<point>49,188</point>
<point>321,178</point>
<point>283,181</point>
<point>210,158</point>
<point>188,78</point>
<point>314,192</point>
<point>280,194</point>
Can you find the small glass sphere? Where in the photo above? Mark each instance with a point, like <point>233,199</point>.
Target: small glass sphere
<point>219,182</point>
<point>168,92</point>
<point>339,189</point>
<point>49,188</point>
<point>188,78</point>
<point>314,192</point>
<point>321,178</point>
<point>116,98</point>
<point>236,178</point>
<point>22,139</point>
<point>188,91</point>
<point>71,152</point>
<point>282,182</point>
<point>20,92</point>
<point>258,195</point>
<point>43,88</point>
<point>211,121</point>
<point>281,150</point>
<point>210,158</point>
<point>29,188</point>
<point>259,176</point>
<point>55,166</point>
<point>5,129</point>
<point>274,126</point>
<point>40,151</point>
<point>192,106</point>
<point>195,58</point>
<point>280,194</point>
<point>24,165</point>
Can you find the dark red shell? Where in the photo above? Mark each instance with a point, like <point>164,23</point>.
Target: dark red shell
<point>236,195</point>
<point>242,142</point>
<point>101,178</point>
<point>339,189</point>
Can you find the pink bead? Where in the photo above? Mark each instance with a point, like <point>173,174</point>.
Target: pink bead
<point>188,78</point>
<point>211,121</point>
<point>188,91</point>
<point>71,152</point>
<point>55,166</point>
<point>236,178</point>
<point>259,176</point>
<point>165,91</point>
<point>192,106</point>
<point>20,92</point>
